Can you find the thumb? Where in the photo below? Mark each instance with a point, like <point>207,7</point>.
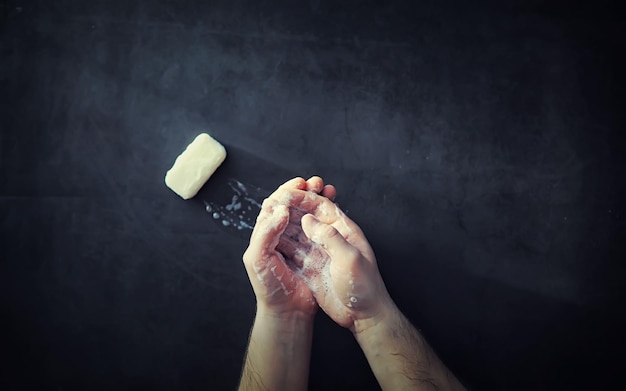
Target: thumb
<point>327,236</point>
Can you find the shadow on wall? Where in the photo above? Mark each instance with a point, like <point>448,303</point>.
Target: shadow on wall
<point>503,337</point>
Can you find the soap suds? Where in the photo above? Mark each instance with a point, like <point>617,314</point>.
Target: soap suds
<point>315,270</point>
<point>257,272</point>
<point>285,289</point>
<point>272,293</point>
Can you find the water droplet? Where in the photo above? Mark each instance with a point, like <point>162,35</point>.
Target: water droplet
<point>208,208</point>
<point>225,223</point>
<point>216,215</point>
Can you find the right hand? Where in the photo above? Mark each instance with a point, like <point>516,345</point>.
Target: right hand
<point>338,264</point>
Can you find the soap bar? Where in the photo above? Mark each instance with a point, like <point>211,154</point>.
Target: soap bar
<point>195,166</point>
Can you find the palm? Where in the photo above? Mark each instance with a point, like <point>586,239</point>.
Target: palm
<point>284,290</point>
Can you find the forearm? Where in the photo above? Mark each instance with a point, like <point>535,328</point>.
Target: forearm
<point>278,353</point>
<point>400,357</point>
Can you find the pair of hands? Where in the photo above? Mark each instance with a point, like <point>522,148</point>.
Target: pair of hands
<point>305,252</point>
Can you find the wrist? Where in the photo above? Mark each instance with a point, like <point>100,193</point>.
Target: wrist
<point>284,318</point>
<point>291,329</point>
<point>385,316</point>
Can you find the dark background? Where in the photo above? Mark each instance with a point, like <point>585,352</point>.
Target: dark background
<point>478,145</point>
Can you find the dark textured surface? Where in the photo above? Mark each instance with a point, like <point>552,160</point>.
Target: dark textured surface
<point>478,147</point>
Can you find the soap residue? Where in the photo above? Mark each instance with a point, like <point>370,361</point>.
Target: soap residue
<point>240,213</point>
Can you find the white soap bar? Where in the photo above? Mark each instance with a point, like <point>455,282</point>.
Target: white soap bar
<point>195,166</point>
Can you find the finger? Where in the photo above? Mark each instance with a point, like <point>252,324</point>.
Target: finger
<point>271,223</point>
<point>303,202</point>
<point>294,245</point>
<point>329,238</point>
<point>294,233</point>
<point>315,184</point>
<point>299,199</point>
<point>288,248</point>
<point>292,252</point>
<point>295,183</point>
<point>295,216</point>
<point>329,192</point>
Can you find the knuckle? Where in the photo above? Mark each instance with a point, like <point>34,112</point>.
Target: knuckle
<point>267,203</point>
<point>328,231</point>
<point>250,257</point>
<point>247,257</point>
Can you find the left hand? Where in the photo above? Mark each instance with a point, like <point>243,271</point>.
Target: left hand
<point>279,291</point>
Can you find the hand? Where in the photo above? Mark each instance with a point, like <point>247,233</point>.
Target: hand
<point>333,257</point>
<point>279,291</point>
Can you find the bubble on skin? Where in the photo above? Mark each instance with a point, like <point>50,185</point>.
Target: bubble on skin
<point>285,289</point>
<point>353,299</point>
<point>315,272</point>
<point>272,293</point>
<point>257,271</point>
